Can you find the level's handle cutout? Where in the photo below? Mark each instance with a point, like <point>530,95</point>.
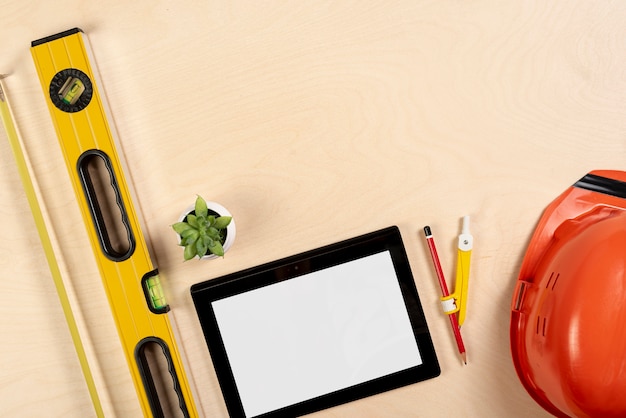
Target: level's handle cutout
<point>105,204</point>
<point>155,363</point>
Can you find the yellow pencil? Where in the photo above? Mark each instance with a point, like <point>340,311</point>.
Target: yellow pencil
<point>40,222</point>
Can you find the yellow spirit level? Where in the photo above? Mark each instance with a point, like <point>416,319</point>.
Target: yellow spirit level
<point>130,279</point>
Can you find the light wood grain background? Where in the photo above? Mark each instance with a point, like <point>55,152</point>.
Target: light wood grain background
<point>311,122</point>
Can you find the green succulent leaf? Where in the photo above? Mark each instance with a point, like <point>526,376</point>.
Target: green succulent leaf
<point>201,248</point>
<point>217,249</point>
<point>222,222</point>
<point>201,207</point>
<point>189,231</point>
<point>181,227</point>
<point>190,252</point>
<point>191,239</point>
<point>193,220</point>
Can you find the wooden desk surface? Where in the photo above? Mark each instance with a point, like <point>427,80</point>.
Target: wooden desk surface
<point>312,122</point>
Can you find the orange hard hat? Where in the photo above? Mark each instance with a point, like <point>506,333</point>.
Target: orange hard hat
<point>568,319</point>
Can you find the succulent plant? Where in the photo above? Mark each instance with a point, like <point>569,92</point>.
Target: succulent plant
<point>201,232</point>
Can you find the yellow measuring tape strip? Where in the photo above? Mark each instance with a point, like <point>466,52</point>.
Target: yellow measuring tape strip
<point>32,194</point>
<point>131,281</point>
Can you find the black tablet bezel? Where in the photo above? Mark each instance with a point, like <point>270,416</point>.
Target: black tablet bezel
<point>388,239</point>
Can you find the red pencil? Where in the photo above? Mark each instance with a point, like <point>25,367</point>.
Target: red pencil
<point>444,291</point>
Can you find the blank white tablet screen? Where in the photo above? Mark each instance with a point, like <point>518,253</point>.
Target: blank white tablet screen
<point>317,333</point>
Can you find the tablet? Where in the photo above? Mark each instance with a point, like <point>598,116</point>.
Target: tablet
<point>317,329</point>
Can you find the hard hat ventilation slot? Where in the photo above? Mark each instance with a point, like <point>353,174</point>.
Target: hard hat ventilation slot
<point>542,322</point>
<point>541,326</point>
<point>519,299</point>
<point>554,277</point>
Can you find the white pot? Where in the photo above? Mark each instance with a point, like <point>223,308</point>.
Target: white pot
<point>231,230</point>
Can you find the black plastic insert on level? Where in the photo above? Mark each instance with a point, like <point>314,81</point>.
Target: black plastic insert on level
<point>54,37</point>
